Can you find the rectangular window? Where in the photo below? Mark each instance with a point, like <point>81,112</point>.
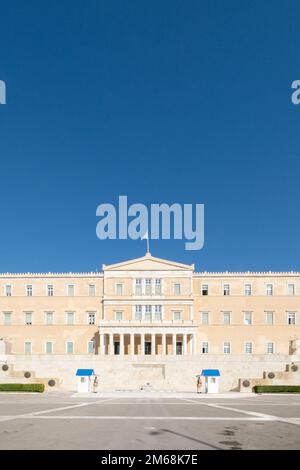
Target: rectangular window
<point>91,347</point>
<point>176,289</point>
<point>27,347</point>
<point>29,290</point>
<point>71,290</point>
<point>269,289</point>
<point>158,312</point>
<point>205,318</point>
<point>226,289</point>
<point>204,289</point>
<point>119,315</point>
<point>148,287</point>
<point>28,318</point>
<point>8,290</point>
<point>248,289</point>
<point>177,315</point>
<point>92,318</point>
<point>248,347</point>
<point>270,348</point>
<point>157,286</point>
<point>291,318</point>
<point>226,348</point>
<point>204,347</point>
<point>49,318</point>
<point>138,312</point>
<point>49,347</point>
<point>70,318</point>
<point>291,289</point>
<point>7,318</point>
<point>92,290</point>
<point>138,287</point>
<point>50,290</point>
<point>70,347</point>
<point>248,318</point>
<point>148,312</point>
<point>226,318</point>
<point>269,318</point>
<point>119,288</point>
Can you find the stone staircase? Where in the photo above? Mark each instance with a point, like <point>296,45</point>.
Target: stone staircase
<point>291,376</point>
<point>9,375</point>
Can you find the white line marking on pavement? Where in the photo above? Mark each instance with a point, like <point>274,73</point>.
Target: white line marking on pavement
<point>250,413</point>
<point>158,418</point>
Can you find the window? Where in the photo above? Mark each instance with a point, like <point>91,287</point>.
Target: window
<point>148,312</point>
<point>291,289</point>
<point>226,318</point>
<point>29,290</point>
<point>7,318</point>
<point>291,318</point>
<point>50,290</point>
<point>204,347</point>
<point>178,348</point>
<point>226,348</point>
<point>92,290</point>
<point>270,348</point>
<point>28,318</point>
<point>205,318</point>
<point>138,287</point>
<point>49,347</point>
<point>8,290</point>
<point>91,318</point>
<point>226,289</point>
<point>70,347</point>
<point>176,289</point>
<point>27,347</point>
<point>91,347</point>
<point>49,318</point>
<point>248,318</point>
<point>158,312</point>
<point>148,287</point>
<point>248,289</point>
<point>138,312</point>
<point>119,288</point>
<point>177,315</point>
<point>269,289</point>
<point>157,286</point>
<point>70,318</point>
<point>269,318</point>
<point>71,290</point>
<point>204,289</point>
<point>119,315</point>
<point>248,347</point>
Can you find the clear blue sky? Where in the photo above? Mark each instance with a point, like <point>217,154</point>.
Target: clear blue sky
<point>165,101</point>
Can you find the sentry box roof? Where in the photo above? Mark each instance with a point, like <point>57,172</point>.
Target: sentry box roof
<point>210,372</point>
<point>85,372</point>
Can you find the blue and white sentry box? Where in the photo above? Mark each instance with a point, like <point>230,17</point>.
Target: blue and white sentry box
<point>211,380</point>
<point>84,383</point>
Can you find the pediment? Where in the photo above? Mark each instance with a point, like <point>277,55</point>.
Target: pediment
<point>148,263</point>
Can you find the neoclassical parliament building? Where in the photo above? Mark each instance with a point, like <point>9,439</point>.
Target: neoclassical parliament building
<point>150,322</point>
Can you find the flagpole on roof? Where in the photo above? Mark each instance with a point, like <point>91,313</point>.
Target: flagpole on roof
<point>146,237</point>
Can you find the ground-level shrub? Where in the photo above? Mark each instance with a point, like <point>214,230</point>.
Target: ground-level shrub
<point>22,388</point>
<point>276,388</point>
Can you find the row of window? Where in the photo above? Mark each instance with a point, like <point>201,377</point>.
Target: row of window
<point>49,318</point>
<point>248,318</point>
<point>269,289</point>
<point>248,347</point>
<point>49,290</point>
<point>49,347</point>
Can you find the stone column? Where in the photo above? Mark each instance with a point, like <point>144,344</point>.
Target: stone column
<point>111,344</point>
<point>102,344</point>
<point>163,343</point>
<point>153,345</point>
<point>121,344</point>
<point>132,343</point>
<point>142,344</point>
<point>174,343</point>
<point>184,344</point>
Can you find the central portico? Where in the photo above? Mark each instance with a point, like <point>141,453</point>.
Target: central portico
<point>148,309</point>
